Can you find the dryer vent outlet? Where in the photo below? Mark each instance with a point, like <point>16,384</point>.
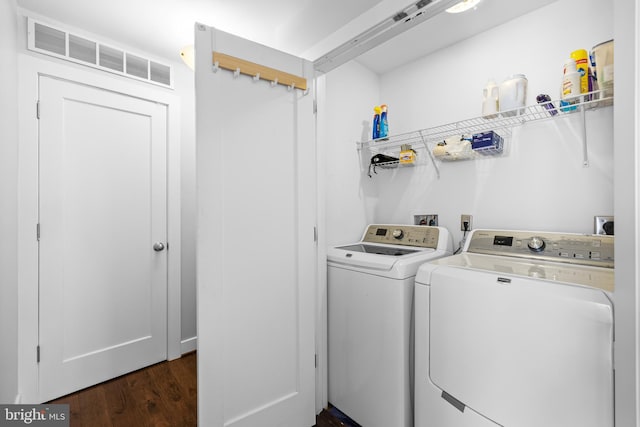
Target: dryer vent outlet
<point>427,219</point>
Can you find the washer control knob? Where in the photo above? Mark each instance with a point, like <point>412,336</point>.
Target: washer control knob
<point>398,233</point>
<point>536,244</point>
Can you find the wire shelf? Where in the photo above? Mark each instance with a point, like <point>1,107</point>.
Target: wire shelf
<point>502,124</point>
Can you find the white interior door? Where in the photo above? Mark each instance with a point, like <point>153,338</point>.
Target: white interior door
<point>102,207</point>
<point>256,249</point>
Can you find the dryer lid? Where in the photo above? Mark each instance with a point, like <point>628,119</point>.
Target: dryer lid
<point>556,272</point>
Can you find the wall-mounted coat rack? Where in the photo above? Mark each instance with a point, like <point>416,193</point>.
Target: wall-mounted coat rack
<point>257,71</point>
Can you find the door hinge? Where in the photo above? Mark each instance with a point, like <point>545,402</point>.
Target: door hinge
<point>38,354</point>
<point>38,109</point>
<point>315,106</point>
<point>315,360</point>
<point>315,234</point>
<point>38,231</point>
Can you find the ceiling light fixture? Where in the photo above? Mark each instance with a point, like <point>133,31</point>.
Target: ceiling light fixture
<point>463,6</point>
<point>187,54</point>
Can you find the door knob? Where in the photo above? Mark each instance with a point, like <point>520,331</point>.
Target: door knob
<point>158,246</point>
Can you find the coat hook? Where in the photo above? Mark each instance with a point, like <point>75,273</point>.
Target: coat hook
<point>236,73</point>
<point>256,77</point>
<point>291,87</point>
<point>306,92</point>
<point>216,66</point>
<point>274,82</point>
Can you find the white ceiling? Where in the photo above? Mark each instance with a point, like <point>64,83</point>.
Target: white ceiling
<point>444,30</point>
<point>163,27</point>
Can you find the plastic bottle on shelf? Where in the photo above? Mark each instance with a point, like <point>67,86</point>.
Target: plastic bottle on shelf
<point>570,91</point>
<point>603,55</point>
<point>512,95</point>
<point>384,124</point>
<point>490,106</point>
<point>581,58</point>
<point>376,122</point>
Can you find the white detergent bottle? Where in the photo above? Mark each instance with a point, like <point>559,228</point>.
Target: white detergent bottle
<point>512,95</point>
<point>490,100</point>
<point>570,91</point>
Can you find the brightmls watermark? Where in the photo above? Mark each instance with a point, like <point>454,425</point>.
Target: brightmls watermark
<point>34,415</point>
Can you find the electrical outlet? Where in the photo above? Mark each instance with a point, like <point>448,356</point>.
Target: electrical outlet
<point>430,219</point>
<point>603,225</point>
<point>466,219</point>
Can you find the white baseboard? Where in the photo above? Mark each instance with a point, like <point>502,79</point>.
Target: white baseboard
<point>189,345</point>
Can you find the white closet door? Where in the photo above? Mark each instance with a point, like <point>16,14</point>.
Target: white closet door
<point>102,207</point>
<point>256,249</point>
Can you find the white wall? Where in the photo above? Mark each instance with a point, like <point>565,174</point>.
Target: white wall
<point>9,203</point>
<point>184,88</point>
<point>541,182</point>
<point>351,92</point>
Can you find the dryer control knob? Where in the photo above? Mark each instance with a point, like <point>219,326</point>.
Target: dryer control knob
<point>536,244</point>
<point>398,234</point>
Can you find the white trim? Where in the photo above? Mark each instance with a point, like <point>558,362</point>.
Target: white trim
<point>17,400</point>
<point>189,345</point>
<point>30,68</point>
<point>322,369</point>
<point>627,213</point>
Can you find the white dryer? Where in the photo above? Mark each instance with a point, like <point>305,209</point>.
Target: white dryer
<point>370,302</point>
<point>517,330</point>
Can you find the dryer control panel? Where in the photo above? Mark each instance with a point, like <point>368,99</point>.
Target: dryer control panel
<point>584,249</point>
<point>405,235</point>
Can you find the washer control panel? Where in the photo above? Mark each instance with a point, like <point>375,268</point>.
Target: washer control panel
<point>585,249</point>
<point>405,235</point>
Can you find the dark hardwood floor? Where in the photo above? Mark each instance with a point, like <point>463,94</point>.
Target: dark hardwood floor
<point>162,395</point>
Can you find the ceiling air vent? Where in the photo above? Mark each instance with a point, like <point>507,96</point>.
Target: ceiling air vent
<point>112,59</point>
<point>82,49</point>
<point>44,38</point>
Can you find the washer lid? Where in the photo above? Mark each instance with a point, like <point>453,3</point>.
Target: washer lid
<point>380,250</point>
<point>381,257</point>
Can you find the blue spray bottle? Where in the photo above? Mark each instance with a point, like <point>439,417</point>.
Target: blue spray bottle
<point>376,122</point>
<point>384,124</point>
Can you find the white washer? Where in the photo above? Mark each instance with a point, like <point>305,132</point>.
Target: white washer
<point>370,302</point>
<point>517,330</point>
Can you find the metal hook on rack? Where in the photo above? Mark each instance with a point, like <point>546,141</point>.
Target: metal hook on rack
<point>256,77</point>
<point>274,82</point>
<point>291,86</point>
<point>236,73</point>
<point>305,92</point>
<point>216,67</point>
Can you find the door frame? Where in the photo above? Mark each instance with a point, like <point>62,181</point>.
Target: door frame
<point>31,68</point>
